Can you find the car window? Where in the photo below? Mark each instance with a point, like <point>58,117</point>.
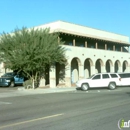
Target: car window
<point>105,76</point>
<point>125,75</point>
<point>114,76</point>
<point>97,77</point>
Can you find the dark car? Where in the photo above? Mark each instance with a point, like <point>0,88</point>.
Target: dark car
<point>11,79</point>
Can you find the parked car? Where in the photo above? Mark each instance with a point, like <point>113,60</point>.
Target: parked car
<point>11,79</point>
<point>109,80</point>
<point>125,79</point>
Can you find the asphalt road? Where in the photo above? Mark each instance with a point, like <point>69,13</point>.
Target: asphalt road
<point>77,110</point>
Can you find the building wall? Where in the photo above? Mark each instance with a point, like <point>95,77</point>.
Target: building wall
<point>66,27</point>
<point>88,51</point>
<point>83,62</point>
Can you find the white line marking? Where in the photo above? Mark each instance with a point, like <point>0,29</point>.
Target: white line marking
<point>5,103</point>
<point>33,120</point>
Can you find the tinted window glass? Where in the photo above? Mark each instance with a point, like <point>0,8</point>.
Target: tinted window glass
<point>125,75</point>
<point>105,76</point>
<point>114,76</point>
<point>97,77</point>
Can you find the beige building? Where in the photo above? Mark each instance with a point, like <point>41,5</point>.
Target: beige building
<point>88,51</point>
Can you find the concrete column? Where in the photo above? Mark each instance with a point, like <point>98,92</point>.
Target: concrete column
<point>121,49</point>
<point>68,76</point>
<point>42,83</point>
<point>2,69</point>
<point>52,74</point>
<point>105,46</point>
<point>86,44</point>
<point>96,46</point>
<point>92,70</point>
<point>112,69</point>
<point>128,68</point>
<point>81,71</point>
<point>113,47</point>
<point>73,42</point>
<point>103,69</point>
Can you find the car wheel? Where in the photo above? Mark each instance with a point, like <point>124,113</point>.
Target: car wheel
<point>12,84</point>
<point>112,86</point>
<point>85,87</point>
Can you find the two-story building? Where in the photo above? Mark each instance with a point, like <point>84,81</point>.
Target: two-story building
<point>88,51</point>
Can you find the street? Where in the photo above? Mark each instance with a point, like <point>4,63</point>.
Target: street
<point>76,110</point>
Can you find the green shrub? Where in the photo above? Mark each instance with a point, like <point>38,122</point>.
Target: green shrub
<point>28,84</point>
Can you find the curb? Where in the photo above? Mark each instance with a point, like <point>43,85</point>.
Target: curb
<point>47,90</point>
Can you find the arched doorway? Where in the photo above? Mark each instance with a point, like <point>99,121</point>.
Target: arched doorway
<point>87,68</point>
<point>60,73</point>
<point>125,66</point>
<point>117,66</point>
<point>98,65</point>
<point>109,66</point>
<point>75,70</point>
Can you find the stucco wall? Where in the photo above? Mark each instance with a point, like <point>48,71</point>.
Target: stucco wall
<point>84,31</point>
<point>94,54</point>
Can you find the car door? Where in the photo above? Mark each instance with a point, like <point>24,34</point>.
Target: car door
<point>105,80</point>
<point>96,81</point>
<point>19,79</point>
<point>115,78</point>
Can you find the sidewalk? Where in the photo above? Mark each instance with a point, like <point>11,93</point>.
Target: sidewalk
<point>22,91</point>
<point>47,90</point>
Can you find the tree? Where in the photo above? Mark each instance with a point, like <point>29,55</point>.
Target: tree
<point>31,51</point>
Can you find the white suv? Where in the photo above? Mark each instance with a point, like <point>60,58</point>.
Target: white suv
<point>110,80</point>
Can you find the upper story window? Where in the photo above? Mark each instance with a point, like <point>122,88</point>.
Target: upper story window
<point>69,43</point>
<point>81,44</point>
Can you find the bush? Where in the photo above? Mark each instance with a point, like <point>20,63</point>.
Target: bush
<point>28,84</point>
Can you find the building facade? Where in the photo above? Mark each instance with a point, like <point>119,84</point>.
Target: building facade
<point>88,51</point>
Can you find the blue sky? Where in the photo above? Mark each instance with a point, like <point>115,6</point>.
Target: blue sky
<point>108,15</point>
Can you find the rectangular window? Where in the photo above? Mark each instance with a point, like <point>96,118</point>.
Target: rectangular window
<point>114,76</point>
<point>105,76</point>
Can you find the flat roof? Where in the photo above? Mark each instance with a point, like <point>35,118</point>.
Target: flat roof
<point>70,28</point>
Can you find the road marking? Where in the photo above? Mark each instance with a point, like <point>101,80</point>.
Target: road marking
<point>99,91</point>
<point>33,120</point>
<point>1,103</point>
